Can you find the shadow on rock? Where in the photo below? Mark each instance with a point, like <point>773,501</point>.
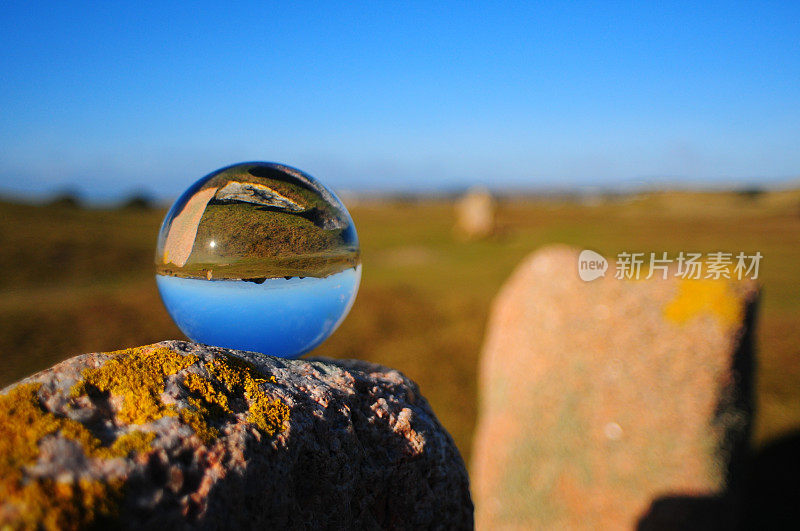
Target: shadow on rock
<point>768,496</point>
<point>772,491</point>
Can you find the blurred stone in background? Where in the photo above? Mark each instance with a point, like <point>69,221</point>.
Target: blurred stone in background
<point>612,403</point>
<point>476,214</point>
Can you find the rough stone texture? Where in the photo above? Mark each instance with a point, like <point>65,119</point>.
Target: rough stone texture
<point>225,439</point>
<point>612,403</point>
<point>476,214</point>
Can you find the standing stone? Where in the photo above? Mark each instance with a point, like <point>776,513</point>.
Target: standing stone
<point>178,435</point>
<point>612,403</point>
<point>476,214</point>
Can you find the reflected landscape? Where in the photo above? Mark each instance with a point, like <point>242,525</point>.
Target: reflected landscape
<point>258,256</point>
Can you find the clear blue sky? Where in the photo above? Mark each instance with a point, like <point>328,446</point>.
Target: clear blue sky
<point>398,95</point>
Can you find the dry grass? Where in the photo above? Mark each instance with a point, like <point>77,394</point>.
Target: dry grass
<point>82,280</point>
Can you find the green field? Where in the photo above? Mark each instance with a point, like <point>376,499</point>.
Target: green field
<point>78,280</point>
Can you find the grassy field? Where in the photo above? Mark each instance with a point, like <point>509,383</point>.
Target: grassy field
<point>76,280</point>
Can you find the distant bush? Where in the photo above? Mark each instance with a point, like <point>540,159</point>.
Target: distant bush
<point>138,201</point>
<point>752,193</point>
<point>66,199</point>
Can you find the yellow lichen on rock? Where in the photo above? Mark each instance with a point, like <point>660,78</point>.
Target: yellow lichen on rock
<point>22,424</point>
<point>227,386</point>
<point>705,296</point>
<point>204,388</point>
<point>239,376</point>
<point>137,375</point>
<point>268,415</point>
<point>132,442</point>
<point>31,503</point>
<point>208,401</point>
<point>59,505</point>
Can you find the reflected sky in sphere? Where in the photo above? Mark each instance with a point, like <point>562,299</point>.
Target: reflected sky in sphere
<point>258,256</point>
<point>280,317</point>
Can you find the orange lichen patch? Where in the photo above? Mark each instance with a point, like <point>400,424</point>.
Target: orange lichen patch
<point>209,400</point>
<point>706,296</point>
<point>33,503</point>
<point>137,375</point>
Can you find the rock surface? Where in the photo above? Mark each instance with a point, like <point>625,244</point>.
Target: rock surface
<point>612,403</point>
<point>180,435</point>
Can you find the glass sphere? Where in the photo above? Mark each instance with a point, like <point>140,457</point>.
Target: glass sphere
<point>258,256</point>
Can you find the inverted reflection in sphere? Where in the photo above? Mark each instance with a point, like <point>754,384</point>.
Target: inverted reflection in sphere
<point>258,256</point>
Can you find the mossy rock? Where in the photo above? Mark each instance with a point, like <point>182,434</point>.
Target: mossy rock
<point>193,436</point>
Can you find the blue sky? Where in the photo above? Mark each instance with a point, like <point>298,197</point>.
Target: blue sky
<point>403,95</point>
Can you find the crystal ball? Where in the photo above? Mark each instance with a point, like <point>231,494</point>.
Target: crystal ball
<point>258,256</point>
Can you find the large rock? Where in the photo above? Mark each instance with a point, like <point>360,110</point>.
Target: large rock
<point>612,403</point>
<point>180,435</point>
